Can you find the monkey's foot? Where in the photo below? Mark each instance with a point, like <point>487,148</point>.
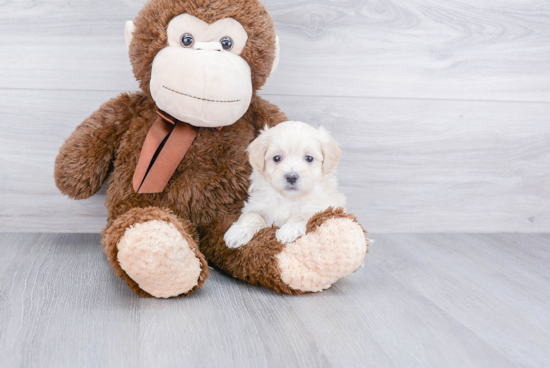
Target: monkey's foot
<point>155,252</point>
<point>333,248</point>
<point>157,257</point>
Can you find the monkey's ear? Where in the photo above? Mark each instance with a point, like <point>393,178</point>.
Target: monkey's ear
<point>257,150</point>
<point>277,52</point>
<point>129,32</point>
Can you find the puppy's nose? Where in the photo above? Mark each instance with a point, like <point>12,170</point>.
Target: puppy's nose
<point>292,178</point>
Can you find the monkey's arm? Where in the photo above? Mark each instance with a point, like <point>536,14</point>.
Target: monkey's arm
<point>265,113</point>
<point>83,162</point>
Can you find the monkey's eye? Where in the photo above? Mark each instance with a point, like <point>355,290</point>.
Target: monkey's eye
<point>227,43</point>
<point>277,158</point>
<point>309,159</point>
<point>187,40</point>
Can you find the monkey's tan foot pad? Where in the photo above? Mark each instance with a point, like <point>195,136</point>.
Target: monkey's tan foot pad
<point>317,260</point>
<point>156,256</point>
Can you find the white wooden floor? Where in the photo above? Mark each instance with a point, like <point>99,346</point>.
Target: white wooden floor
<point>420,301</point>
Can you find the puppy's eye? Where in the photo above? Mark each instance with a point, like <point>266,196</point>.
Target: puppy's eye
<point>227,43</point>
<point>277,158</point>
<point>187,40</point>
<point>309,159</point>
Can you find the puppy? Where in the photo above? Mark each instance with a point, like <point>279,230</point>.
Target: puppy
<point>292,179</point>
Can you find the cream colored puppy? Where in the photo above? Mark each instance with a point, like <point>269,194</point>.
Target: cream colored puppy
<point>292,179</point>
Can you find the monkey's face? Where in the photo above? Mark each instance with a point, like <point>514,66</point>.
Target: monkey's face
<point>201,61</point>
<point>200,77</point>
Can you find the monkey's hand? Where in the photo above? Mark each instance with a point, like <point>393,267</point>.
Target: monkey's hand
<point>83,162</point>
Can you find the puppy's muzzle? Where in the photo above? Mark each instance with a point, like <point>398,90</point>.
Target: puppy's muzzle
<point>292,178</point>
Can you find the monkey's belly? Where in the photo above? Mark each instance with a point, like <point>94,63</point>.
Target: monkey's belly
<point>203,195</point>
<point>212,180</point>
<point>197,196</point>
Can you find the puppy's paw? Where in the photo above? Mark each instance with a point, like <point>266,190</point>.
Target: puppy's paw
<point>290,232</point>
<point>238,235</point>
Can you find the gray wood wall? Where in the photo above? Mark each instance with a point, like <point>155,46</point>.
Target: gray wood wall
<point>442,106</point>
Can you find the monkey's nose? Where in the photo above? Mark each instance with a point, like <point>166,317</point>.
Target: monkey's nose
<point>210,46</point>
<point>292,178</point>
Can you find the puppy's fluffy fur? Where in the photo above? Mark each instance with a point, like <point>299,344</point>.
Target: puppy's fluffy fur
<point>292,179</point>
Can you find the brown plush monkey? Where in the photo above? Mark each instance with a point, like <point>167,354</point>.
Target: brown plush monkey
<point>177,153</point>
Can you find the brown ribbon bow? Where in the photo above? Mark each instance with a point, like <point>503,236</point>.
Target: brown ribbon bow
<point>165,146</point>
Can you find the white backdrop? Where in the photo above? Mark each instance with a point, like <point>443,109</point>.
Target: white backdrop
<point>442,106</point>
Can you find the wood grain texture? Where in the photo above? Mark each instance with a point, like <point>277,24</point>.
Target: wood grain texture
<point>407,166</point>
<point>420,301</point>
<point>468,49</point>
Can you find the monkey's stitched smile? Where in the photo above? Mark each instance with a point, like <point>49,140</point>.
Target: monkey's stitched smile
<point>198,98</point>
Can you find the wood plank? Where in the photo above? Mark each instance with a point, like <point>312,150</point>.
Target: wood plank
<point>61,304</point>
<point>408,165</point>
<point>469,49</point>
<point>420,301</point>
<point>476,280</point>
<point>56,311</point>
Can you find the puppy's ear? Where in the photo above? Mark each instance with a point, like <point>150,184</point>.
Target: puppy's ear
<point>257,150</point>
<point>331,151</point>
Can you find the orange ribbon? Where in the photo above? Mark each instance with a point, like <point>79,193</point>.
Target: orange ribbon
<point>166,144</point>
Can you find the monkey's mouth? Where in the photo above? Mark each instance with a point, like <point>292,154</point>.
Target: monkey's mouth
<point>199,98</point>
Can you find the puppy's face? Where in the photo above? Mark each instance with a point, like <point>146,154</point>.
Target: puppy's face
<point>293,156</point>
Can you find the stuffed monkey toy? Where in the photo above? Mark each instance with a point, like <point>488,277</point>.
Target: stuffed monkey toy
<point>176,155</point>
